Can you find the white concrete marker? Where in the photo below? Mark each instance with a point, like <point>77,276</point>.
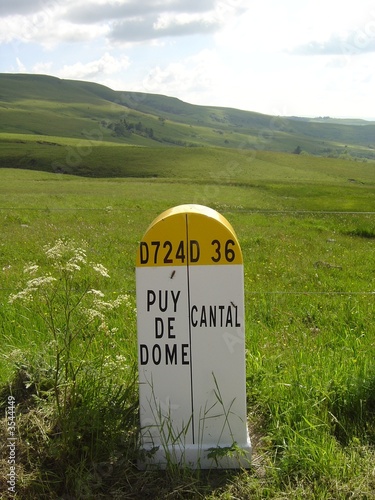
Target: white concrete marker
<point>191,342</point>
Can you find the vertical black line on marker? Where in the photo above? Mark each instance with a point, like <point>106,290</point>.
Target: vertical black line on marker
<point>190,336</point>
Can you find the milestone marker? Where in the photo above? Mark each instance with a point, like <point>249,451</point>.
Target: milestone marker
<point>191,342</point>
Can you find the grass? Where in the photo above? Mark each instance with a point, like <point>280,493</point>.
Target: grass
<point>309,282</point>
<point>41,105</point>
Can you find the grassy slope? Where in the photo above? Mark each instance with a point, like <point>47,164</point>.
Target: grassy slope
<point>45,105</point>
<point>292,176</point>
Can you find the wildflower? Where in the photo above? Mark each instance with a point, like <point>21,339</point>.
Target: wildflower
<point>93,314</point>
<point>24,295</point>
<point>122,299</point>
<point>120,358</point>
<point>70,267</point>
<point>39,282</point>
<point>57,251</point>
<point>31,269</point>
<point>32,286</point>
<point>99,268</point>
<point>63,249</point>
<point>97,293</point>
<point>103,305</point>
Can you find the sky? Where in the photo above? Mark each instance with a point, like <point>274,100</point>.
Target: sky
<point>288,58</point>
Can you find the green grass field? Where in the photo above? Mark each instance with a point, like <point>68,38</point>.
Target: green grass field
<point>307,230</point>
<point>40,106</point>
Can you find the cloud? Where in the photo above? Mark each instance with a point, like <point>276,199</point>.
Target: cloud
<point>106,65</point>
<point>353,44</point>
<point>21,7</point>
<point>20,66</point>
<point>150,28</point>
<point>193,78</point>
<point>127,21</point>
<point>357,37</point>
<point>93,12</point>
<point>42,68</point>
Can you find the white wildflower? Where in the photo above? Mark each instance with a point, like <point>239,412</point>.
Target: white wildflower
<point>56,252</point>
<point>31,269</point>
<point>39,282</point>
<point>93,314</point>
<point>121,299</point>
<point>70,267</point>
<point>79,257</point>
<point>24,295</point>
<point>97,293</point>
<point>63,249</point>
<point>104,327</point>
<point>99,268</point>
<point>103,305</point>
<point>107,362</point>
<point>32,286</point>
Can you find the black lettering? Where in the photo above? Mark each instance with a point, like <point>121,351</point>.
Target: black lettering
<point>175,299</point>
<point>185,354</point>
<point>167,260</point>
<point>217,256</point>
<point>237,323</point>
<point>213,316</point>
<point>194,322</point>
<point>164,307</point>
<point>156,354</point>
<point>156,244</point>
<point>171,355</point>
<point>180,254</point>
<point>229,320</point>
<point>143,354</point>
<point>229,252</point>
<point>170,328</point>
<point>194,251</point>
<point>143,252</point>
<point>159,328</point>
<point>151,297</point>
<point>221,308</point>
<point>203,317</point>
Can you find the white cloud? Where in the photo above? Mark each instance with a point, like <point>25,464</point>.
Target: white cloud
<point>185,23</point>
<point>94,11</point>
<point>193,79</point>
<point>106,65</point>
<point>47,29</point>
<point>50,21</point>
<point>20,6</point>
<point>20,66</point>
<point>42,68</point>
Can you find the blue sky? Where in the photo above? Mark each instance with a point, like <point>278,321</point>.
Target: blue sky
<point>295,57</point>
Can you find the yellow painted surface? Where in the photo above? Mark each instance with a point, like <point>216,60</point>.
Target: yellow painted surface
<point>189,235</point>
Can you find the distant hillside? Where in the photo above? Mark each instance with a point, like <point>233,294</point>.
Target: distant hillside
<point>48,106</point>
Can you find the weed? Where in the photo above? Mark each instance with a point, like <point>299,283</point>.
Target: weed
<point>75,377</point>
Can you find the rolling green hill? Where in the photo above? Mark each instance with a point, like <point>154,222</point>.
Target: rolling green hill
<point>80,127</point>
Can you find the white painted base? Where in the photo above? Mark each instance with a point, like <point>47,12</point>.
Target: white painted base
<point>196,457</point>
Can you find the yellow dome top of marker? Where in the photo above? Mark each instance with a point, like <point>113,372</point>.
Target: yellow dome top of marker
<point>189,235</point>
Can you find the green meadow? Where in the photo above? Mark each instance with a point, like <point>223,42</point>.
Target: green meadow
<point>306,226</point>
<point>84,171</point>
<point>43,118</point>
